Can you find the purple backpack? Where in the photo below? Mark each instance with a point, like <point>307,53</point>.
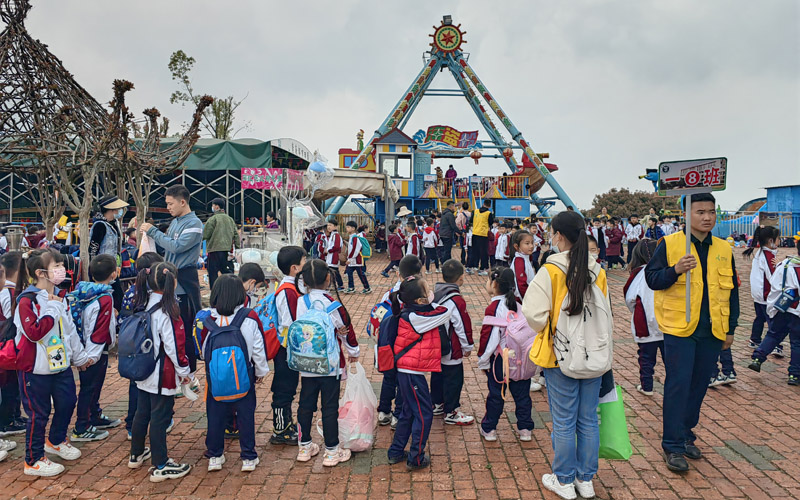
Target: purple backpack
<point>519,341</point>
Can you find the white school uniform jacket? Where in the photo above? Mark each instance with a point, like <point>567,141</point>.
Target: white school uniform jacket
<point>760,274</point>
<point>175,365</point>
<point>634,232</point>
<point>791,283</point>
<point>430,238</point>
<point>459,323</point>
<point>414,246</point>
<point>492,340</point>
<point>637,289</point>
<point>333,243</point>
<point>285,302</point>
<point>354,258</point>
<point>503,244</point>
<point>524,273</point>
<point>253,338</point>
<point>339,318</point>
<point>99,327</point>
<point>6,299</point>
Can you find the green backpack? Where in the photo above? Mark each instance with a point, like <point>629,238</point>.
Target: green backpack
<point>366,250</point>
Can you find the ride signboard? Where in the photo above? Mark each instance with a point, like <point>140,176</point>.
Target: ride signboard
<point>692,176</point>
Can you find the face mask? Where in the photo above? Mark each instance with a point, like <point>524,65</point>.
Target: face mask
<point>594,256</point>
<point>119,214</point>
<point>430,297</point>
<point>59,275</point>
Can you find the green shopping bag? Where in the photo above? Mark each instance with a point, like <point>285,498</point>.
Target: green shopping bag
<point>614,441</point>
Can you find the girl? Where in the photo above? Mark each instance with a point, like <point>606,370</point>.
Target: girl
<point>522,263</point>
<point>11,419</point>
<point>418,350</point>
<point>502,289</point>
<point>573,402</point>
<point>47,343</point>
<point>227,306</point>
<point>766,239</point>
<point>640,300</point>
<point>317,279</point>
<point>155,293</point>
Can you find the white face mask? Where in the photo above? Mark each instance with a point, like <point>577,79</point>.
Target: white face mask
<point>554,245</point>
<point>594,256</point>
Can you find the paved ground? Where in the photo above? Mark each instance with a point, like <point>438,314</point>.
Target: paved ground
<point>749,433</point>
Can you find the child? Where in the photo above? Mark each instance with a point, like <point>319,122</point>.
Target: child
<point>614,244</point>
<point>254,282</point>
<point>501,253</point>
<point>155,291</point>
<point>446,385</point>
<point>492,237</point>
<point>430,240</point>
<point>380,238</point>
<point>654,232</point>
<point>633,232</point>
<point>640,300</point>
<point>786,278</point>
<point>409,266</point>
<point>596,231</point>
<point>766,238</point>
<point>314,387</point>
<point>16,278</point>
<point>522,263</point>
<point>418,345</point>
<point>99,335</point>
<point>47,343</point>
<point>291,260</point>
<point>468,250</point>
<point>395,242</point>
<point>333,244</point>
<point>414,245</point>
<point>355,262</point>
<point>501,286</point>
<point>227,306</point>
<point>6,446</point>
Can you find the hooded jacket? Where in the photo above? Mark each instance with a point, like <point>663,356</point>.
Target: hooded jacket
<point>420,321</point>
<point>460,326</point>
<point>430,239</point>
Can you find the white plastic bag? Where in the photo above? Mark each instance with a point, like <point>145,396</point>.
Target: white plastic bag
<point>357,412</point>
<point>146,244</point>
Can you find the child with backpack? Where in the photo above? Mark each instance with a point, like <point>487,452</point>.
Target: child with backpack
<point>6,445</point>
<point>501,287</point>
<point>419,329</point>
<point>47,345</point>
<point>333,246</point>
<point>16,279</point>
<point>430,241</point>
<point>522,263</point>
<point>446,385</point>
<point>355,259</point>
<point>395,241</point>
<point>568,304</point>
<point>414,241</point>
<point>155,296</point>
<point>764,255</point>
<point>640,299</point>
<point>254,280</point>
<point>235,356</point>
<point>315,350</point>
<point>92,308</point>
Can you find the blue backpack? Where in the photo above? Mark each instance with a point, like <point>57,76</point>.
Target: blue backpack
<point>311,340</point>
<point>79,299</point>
<point>135,343</point>
<point>267,311</point>
<point>230,371</point>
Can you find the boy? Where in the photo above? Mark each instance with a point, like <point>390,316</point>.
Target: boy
<point>503,245</point>
<point>355,262</point>
<point>253,279</point>
<point>395,241</point>
<point>653,231</point>
<point>446,385</point>
<point>333,244</point>
<point>380,238</point>
<point>99,334</point>
<point>599,236</point>
<point>414,246</point>
<point>614,244</point>
<point>634,232</point>
<point>430,240</point>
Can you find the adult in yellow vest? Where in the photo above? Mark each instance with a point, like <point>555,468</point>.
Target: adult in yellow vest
<point>691,348</point>
<point>482,221</point>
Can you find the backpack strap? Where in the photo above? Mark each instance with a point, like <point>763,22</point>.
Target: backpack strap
<point>240,317</point>
<point>495,321</point>
<point>334,306</point>
<point>447,297</point>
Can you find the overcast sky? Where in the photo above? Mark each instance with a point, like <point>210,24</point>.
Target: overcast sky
<point>608,88</point>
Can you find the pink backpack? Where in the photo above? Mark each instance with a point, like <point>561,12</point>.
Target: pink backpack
<point>519,341</point>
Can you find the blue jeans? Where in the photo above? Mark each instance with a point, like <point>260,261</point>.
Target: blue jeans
<point>780,326</point>
<point>576,434</point>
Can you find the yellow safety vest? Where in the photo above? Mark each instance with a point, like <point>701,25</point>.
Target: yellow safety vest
<point>670,304</point>
<point>480,223</point>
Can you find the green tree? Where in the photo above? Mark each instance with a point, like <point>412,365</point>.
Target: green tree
<point>218,119</point>
<point>621,202</point>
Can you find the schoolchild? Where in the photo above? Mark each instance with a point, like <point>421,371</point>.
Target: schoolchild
<point>522,262</point>
<point>16,279</point>
<point>355,262</point>
<point>430,242</point>
<point>333,245</point>
<point>764,255</point>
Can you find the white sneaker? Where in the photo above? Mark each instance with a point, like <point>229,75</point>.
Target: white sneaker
<point>384,418</point>
<point>488,436</point>
<point>307,451</point>
<point>525,435</point>
<point>64,450</point>
<point>171,470</point>
<point>394,422</point>
<point>170,426</point>
<point>215,463</point>
<point>135,462</point>
<point>249,465</point>
<point>3,455</point>
<point>646,393</point>
<point>335,456</point>
<point>458,418</point>
<point>584,488</point>
<point>6,445</point>
<point>566,491</point>
<point>438,409</point>
<point>535,386</point>
<point>44,468</point>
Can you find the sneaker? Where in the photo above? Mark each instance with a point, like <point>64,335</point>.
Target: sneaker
<point>385,275</point>
<point>793,380</point>
<point>231,433</point>
<point>13,428</point>
<point>3,455</point>
<point>483,273</point>
<point>438,409</point>
<point>525,435</point>
<point>730,379</point>
<point>6,445</point>
<point>488,436</point>
<point>350,290</point>
<point>384,418</point>
<point>566,491</point>
<point>398,459</point>
<point>106,423</point>
<point>468,271</point>
<point>44,468</point>
<point>130,436</point>
<point>288,436</point>
<point>427,272</point>
<point>753,345</point>
<point>135,462</point>
<point>307,451</point>
<point>584,488</point>
<point>535,386</point>
<point>778,351</point>
<point>90,434</point>
<point>335,456</point>
<point>249,465</point>
<point>646,393</point>
<point>366,291</point>
<point>170,426</point>
<point>216,463</point>
<point>718,380</point>
<point>755,365</point>
<point>340,289</point>
<point>171,470</point>
<point>425,462</point>
<point>458,418</point>
<point>393,425</point>
<point>64,450</point>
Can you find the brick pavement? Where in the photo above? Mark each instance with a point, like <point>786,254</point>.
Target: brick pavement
<point>748,431</point>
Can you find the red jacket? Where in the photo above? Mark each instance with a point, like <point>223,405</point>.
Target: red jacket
<point>396,243</point>
<point>614,242</point>
<point>415,321</point>
<point>492,243</point>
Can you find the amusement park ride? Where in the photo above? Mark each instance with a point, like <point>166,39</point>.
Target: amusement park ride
<point>408,160</point>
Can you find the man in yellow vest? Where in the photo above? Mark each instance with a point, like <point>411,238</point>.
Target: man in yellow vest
<point>691,348</point>
<point>482,221</point>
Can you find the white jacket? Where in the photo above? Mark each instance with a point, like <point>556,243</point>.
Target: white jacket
<point>790,265</point>
<point>638,288</point>
<point>760,274</point>
<point>163,333</point>
<point>253,338</point>
<point>501,251</point>
<point>634,232</point>
<point>94,351</point>
<point>496,338</point>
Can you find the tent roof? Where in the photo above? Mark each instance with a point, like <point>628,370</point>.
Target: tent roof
<point>216,154</point>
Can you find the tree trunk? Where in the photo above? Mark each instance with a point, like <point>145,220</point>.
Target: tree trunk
<point>84,216</point>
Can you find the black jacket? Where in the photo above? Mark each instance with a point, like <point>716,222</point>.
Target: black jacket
<point>447,228</point>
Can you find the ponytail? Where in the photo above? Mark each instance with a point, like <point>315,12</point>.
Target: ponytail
<point>761,237</point>
<point>570,225</point>
<point>395,302</point>
<point>162,279</point>
<point>411,289</point>
<point>141,292</point>
<point>506,284</point>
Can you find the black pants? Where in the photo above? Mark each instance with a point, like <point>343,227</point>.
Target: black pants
<point>480,248</point>
<point>10,409</point>
<point>464,254</point>
<point>446,250</point>
<point>615,259</point>
<point>446,387</point>
<point>284,388</point>
<point>92,379</point>
<point>648,354</point>
<point>152,410</point>
<point>40,393</point>
<point>188,313</point>
<point>755,335</point>
<point>325,389</point>
<point>631,246</point>
<point>133,402</point>
<point>392,265</point>
<point>217,263</point>
<point>362,275</point>
<point>431,256</point>
<point>520,391</point>
<point>219,413</point>
<point>117,294</point>
<point>337,275</point>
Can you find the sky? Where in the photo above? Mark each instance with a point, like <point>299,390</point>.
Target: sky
<point>607,87</point>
